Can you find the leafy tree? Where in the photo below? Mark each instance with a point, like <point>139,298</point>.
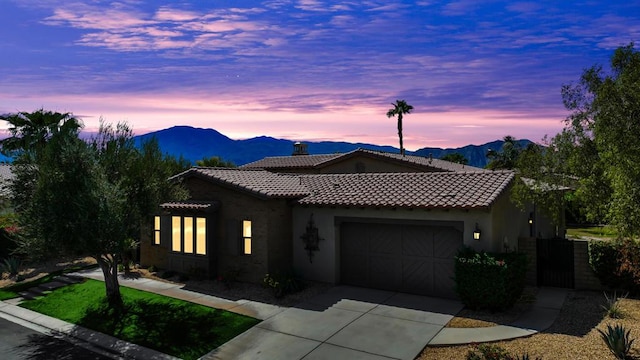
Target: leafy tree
<point>507,157</point>
<point>92,198</point>
<point>143,175</point>
<point>604,123</point>
<point>215,161</point>
<point>456,158</point>
<point>542,181</point>
<point>400,107</point>
<point>597,152</point>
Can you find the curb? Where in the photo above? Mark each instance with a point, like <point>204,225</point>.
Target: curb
<point>109,345</point>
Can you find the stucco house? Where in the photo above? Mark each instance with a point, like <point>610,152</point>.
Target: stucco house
<point>333,221</point>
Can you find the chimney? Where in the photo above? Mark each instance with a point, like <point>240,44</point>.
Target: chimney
<point>430,158</point>
<point>299,149</point>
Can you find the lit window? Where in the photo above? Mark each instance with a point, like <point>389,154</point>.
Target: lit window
<point>156,230</point>
<point>188,235</point>
<point>246,235</point>
<point>176,233</point>
<point>201,236</point>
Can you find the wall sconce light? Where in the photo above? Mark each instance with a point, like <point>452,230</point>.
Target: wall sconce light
<point>311,239</point>
<point>476,233</point>
<point>530,218</point>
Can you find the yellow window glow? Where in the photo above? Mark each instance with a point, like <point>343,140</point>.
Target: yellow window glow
<point>246,228</point>
<point>176,232</point>
<point>201,236</point>
<point>247,246</point>
<point>156,230</point>
<point>246,235</point>
<point>188,235</point>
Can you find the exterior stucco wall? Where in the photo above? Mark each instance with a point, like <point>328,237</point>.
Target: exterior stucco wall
<point>511,222</point>
<point>326,262</point>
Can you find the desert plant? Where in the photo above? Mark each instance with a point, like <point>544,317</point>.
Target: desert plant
<point>618,339</point>
<point>488,352</point>
<point>11,265</point>
<point>494,352</point>
<point>612,305</point>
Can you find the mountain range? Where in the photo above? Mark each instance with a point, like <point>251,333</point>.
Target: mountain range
<point>196,143</point>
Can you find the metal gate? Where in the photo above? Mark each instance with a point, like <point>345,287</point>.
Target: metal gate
<point>555,263</point>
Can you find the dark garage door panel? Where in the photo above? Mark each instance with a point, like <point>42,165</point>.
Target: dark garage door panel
<point>400,257</point>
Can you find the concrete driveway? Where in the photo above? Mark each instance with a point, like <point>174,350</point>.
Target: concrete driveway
<point>345,323</point>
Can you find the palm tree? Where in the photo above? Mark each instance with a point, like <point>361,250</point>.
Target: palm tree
<point>31,131</point>
<point>400,107</point>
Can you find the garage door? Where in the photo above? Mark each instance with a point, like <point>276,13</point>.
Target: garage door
<point>416,259</point>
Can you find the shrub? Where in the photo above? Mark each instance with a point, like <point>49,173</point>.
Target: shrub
<point>617,264</point>
<point>489,281</point>
<point>282,285</point>
<point>493,352</point>
<point>11,265</point>
<point>9,232</point>
<point>618,339</point>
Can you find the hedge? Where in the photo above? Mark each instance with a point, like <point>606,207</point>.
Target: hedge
<point>617,264</point>
<point>489,281</point>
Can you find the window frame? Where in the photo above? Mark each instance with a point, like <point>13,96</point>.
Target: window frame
<point>198,245</point>
<point>157,235</point>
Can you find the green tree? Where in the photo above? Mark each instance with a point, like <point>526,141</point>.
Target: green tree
<point>597,152</point>
<point>456,158</point>
<point>541,180</point>
<point>400,107</point>
<point>507,157</point>
<point>215,161</point>
<point>91,197</point>
<point>143,175</point>
<point>605,126</point>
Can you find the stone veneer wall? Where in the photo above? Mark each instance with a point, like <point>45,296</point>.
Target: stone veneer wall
<point>585,278</point>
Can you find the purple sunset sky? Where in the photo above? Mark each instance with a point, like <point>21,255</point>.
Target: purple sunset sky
<point>474,71</point>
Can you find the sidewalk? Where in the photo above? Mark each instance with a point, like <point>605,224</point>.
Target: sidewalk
<point>354,321</point>
<point>540,317</point>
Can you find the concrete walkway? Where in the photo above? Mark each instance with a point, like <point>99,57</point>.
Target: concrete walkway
<point>345,322</point>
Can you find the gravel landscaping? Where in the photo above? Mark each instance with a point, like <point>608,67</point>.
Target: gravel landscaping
<point>574,334</point>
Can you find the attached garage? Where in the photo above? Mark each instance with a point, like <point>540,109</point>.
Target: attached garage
<point>415,257</point>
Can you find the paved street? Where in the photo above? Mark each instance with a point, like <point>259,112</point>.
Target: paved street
<point>18,342</point>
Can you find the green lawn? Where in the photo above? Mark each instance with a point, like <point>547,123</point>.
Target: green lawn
<point>172,326</point>
<point>604,232</point>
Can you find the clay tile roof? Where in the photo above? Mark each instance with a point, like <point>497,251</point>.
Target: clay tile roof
<point>290,162</point>
<point>191,205</point>
<point>425,161</point>
<point>259,182</point>
<point>464,190</point>
<point>318,161</point>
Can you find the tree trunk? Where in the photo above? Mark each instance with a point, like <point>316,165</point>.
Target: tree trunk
<point>400,133</point>
<point>109,265</point>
